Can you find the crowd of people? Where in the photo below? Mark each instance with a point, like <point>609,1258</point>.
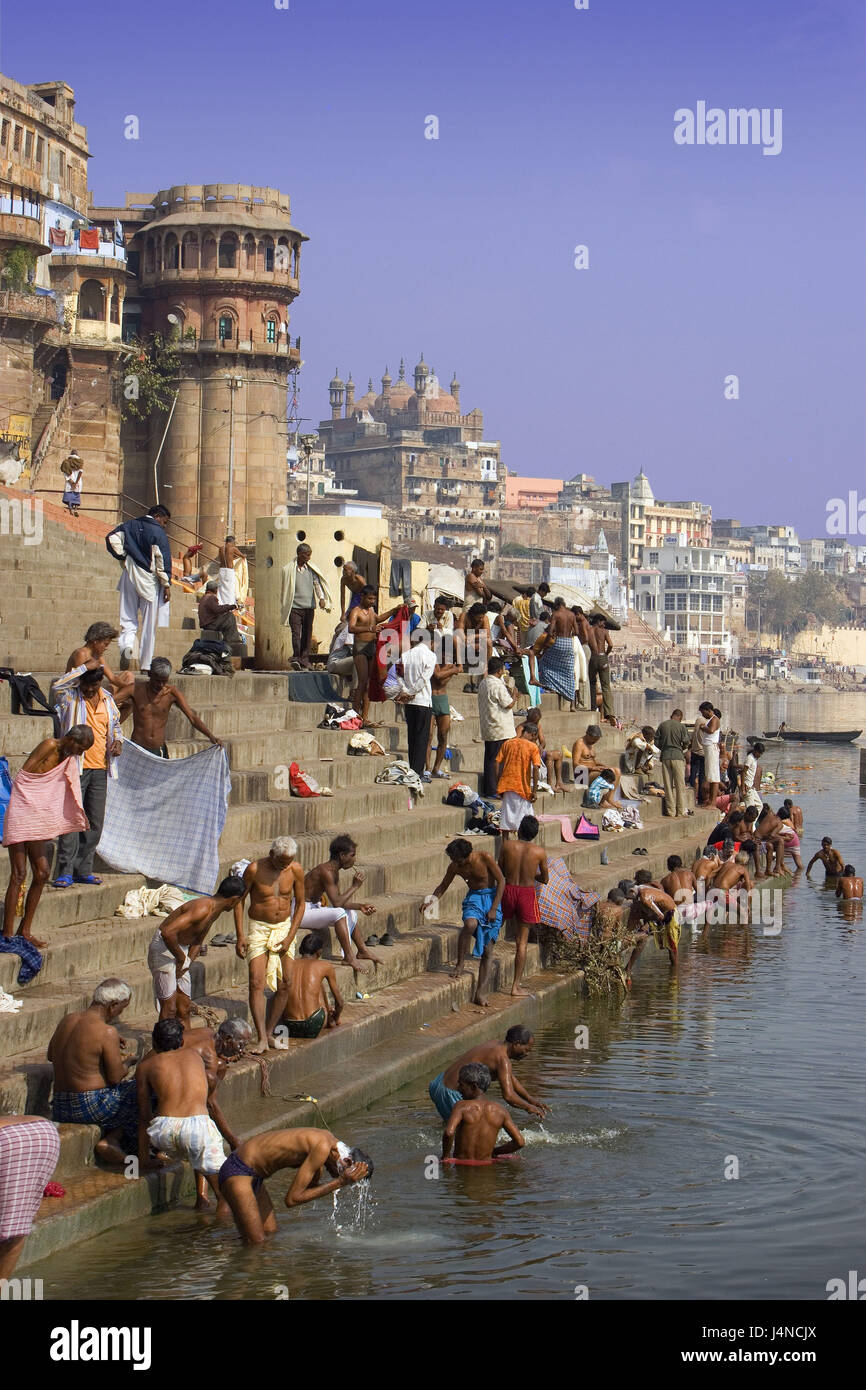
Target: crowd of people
<point>163,1105</point>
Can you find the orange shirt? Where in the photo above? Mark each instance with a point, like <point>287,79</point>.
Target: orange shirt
<point>517,757</point>
<point>97,720</point>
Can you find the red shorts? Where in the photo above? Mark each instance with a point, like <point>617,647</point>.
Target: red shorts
<point>520,903</point>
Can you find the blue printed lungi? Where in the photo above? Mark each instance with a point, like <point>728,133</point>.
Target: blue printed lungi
<point>443,1097</point>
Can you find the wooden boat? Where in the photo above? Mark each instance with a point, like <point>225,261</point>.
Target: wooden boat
<point>652,694</point>
<point>763,738</point>
<point>808,736</point>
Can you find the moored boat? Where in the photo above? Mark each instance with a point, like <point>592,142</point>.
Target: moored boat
<point>815,736</point>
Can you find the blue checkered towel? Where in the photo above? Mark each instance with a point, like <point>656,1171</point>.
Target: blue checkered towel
<point>164,818</point>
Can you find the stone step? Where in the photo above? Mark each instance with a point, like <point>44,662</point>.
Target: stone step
<point>98,1200</point>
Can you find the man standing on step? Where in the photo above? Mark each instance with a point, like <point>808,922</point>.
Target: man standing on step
<point>177,942</point>
<point>217,1050</point>
<point>174,1078</point>
<point>151,702</point>
<point>142,548</point>
<point>524,865</point>
<point>499,1058</point>
<point>80,698</point>
<point>482,908</point>
<point>90,1085</point>
<point>417,697</point>
<point>599,665</point>
<point>303,586</point>
<point>673,739</point>
<point>495,705</point>
<point>43,803</point>
<point>97,639</point>
<point>276,891</point>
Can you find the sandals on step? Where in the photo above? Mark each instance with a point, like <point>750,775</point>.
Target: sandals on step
<point>93,879</point>
<point>65,881</point>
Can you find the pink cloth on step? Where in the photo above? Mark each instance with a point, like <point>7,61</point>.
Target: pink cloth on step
<point>43,805</point>
<point>565,827</point>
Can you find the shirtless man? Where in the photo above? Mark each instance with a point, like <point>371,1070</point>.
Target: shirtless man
<point>482,908</point>
<point>227,553</point>
<point>653,913</point>
<point>732,879</point>
<point>274,885</point>
<point>600,646</point>
<point>768,831</point>
<point>524,865</point>
<point>216,1050</point>
<point>471,1132</point>
<point>475,590</point>
<point>150,703</point>
<point>850,885</point>
<point>45,757</point>
<point>498,1058</point>
<point>323,881</point>
<point>796,814</point>
<point>308,1009</point>
<point>97,639</point>
<point>705,868</point>
<point>679,880</point>
<point>607,916</point>
<point>242,1176</point>
<point>363,628</point>
<point>583,754</point>
<point>832,860</point>
<point>177,942</point>
<point>552,756</point>
<point>442,674</point>
<point>89,1073</point>
<point>175,1077</point>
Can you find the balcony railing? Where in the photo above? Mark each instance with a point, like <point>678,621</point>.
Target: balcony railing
<point>20,304</point>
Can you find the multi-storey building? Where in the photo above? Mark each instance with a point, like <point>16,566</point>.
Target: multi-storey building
<point>689,592</point>
<point>64,281</point>
<point>570,524</point>
<point>213,268</point>
<point>414,451</point>
<point>648,523</point>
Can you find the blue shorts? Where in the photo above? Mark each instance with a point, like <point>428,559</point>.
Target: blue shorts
<point>476,905</point>
<point>442,1096</point>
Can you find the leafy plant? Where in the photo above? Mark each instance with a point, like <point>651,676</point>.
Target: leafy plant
<point>18,263</point>
<point>150,377</point>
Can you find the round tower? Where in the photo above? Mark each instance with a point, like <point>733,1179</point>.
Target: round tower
<point>218,268</point>
<point>335,395</point>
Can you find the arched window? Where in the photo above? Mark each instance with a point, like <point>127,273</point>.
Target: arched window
<point>228,252</point>
<point>91,298</point>
<point>149,256</point>
<point>208,253</point>
<point>296,256</point>
<point>225,328</point>
<point>249,252</point>
<point>171,253</point>
<point>189,252</point>
<point>269,253</point>
<point>284,255</point>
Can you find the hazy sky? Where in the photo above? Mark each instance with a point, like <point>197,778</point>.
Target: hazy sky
<point>555,129</point>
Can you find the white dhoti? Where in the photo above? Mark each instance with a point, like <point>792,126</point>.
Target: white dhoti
<point>227,590</point>
<point>269,939</point>
<point>581,673</point>
<point>135,607</point>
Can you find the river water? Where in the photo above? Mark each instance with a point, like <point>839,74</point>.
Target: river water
<point>707,1144</point>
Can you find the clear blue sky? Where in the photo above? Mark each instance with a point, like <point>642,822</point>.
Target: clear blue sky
<point>556,128</point>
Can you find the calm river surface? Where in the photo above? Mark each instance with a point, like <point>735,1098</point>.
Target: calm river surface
<point>750,1058</point>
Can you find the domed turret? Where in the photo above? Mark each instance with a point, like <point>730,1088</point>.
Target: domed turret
<point>335,393</point>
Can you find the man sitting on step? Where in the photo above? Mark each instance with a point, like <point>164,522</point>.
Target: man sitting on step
<point>322,887</point>
<point>584,754</point>
<point>89,1073</point>
<point>308,1009</point>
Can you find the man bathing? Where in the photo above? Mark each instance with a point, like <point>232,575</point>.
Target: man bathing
<point>482,908</point>
<point>524,865</point>
<point>834,864</point>
<point>151,702</point>
<point>307,1008</point>
<point>850,885</point>
<point>36,813</point>
<point>274,885</point>
<point>177,942</point>
<point>653,913</point>
<point>90,1084</point>
<point>216,1050</point>
<point>498,1058</point>
<point>242,1176</point>
<point>473,1127</point>
<point>175,1078</point>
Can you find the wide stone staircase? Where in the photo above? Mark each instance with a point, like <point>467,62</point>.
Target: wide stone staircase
<point>409,1018</point>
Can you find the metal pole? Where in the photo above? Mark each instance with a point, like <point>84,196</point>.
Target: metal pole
<point>308,451</point>
<point>161,442</point>
<point>231,452</point>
